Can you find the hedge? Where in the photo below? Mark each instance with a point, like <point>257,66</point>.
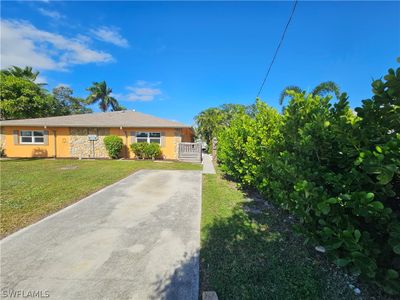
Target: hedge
<point>146,150</point>
<point>113,145</point>
<point>336,169</point>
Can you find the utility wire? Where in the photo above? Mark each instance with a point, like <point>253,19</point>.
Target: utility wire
<point>277,48</point>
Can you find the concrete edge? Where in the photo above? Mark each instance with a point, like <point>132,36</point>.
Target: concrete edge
<point>199,251</point>
<point>78,202</point>
<point>210,295</point>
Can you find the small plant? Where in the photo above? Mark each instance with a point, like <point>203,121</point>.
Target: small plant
<point>138,149</point>
<point>152,150</point>
<point>113,145</point>
<point>146,151</point>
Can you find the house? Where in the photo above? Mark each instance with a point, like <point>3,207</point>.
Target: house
<point>81,136</point>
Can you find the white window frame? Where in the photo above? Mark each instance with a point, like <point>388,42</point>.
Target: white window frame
<point>148,137</point>
<point>32,136</point>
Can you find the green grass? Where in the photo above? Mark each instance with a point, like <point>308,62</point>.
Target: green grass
<point>257,255</point>
<point>34,188</point>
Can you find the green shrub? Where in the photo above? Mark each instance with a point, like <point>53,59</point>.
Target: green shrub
<point>113,145</point>
<point>338,172</point>
<point>152,151</point>
<point>247,141</point>
<point>146,150</point>
<point>138,149</point>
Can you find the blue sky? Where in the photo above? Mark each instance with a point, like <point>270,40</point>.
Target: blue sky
<point>173,59</point>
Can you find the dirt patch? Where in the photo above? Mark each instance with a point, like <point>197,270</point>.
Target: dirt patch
<point>69,168</point>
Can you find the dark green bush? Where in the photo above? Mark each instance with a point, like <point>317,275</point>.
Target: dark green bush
<point>138,149</point>
<point>337,171</point>
<point>113,145</point>
<point>146,150</point>
<point>152,151</point>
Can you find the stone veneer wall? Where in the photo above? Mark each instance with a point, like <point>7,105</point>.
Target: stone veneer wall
<point>2,141</point>
<point>81,147</point>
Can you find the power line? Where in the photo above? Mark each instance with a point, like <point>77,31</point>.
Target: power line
<point>277,48</point>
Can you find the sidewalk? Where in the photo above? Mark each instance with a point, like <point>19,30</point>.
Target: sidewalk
<point>208,167</point>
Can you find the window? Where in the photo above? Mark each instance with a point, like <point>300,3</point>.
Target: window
<point>148,137</point>
<point>31,137</point>
<point>141,137</point>
<point>155,137</point>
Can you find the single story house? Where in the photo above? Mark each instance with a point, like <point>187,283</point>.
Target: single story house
<point>81,136</point>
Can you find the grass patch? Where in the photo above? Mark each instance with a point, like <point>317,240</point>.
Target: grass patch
<point>249,251</point>
<point>34,188</point>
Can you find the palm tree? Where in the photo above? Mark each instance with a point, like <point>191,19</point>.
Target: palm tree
<point>119,108</point>
<point>208,123</point>
<point>26,73</point>
<point>321,89</point>
<point>285,91</point>
<point>99,92</point>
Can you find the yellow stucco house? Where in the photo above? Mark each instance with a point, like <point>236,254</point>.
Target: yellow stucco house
<point>81,136</point>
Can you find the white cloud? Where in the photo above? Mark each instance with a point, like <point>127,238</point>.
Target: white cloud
<point>110,35</point>
<point>22,44</point>
<point>117,96</point>
<point>41,79</point>
<point>63,85</point>
<point>51,13</point>
<point>83,38</point>
<point>143,91</point>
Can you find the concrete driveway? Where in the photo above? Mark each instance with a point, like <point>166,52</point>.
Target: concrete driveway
<point>136,239</point>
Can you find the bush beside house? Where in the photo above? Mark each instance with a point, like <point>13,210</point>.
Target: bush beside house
<point>146,150</point>
<point>113,145</point>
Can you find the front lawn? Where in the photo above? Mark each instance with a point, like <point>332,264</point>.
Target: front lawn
<point>34,188</point>
<point>249,251</point>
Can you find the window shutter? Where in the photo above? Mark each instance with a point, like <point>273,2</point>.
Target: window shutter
<point>133,137</point>
<point>46,137</point>
<point>16,137</point>
<point>162,139</point>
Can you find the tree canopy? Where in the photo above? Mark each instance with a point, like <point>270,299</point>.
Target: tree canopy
<point>70,104</point>
<point>22,98</point>
<point>25,73</point>
<point>209,122</point>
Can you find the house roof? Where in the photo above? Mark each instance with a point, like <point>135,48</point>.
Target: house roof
<point>125,118</point>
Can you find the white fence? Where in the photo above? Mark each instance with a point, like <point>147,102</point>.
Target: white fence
<point>190,152</point>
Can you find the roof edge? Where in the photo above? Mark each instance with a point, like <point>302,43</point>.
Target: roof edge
<point>87,126</point>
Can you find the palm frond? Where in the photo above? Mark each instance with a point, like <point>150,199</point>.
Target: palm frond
<point>99,92</point>
<point>26,73</point>
<point>285,94</point>
<point>325,88</point>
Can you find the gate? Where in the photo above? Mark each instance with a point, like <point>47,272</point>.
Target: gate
<point>190,152</point>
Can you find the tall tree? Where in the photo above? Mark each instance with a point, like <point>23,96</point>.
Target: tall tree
<point>321,89</point>
<point>211,121</point>
<point>25,73</point>
<point>69,104</point>
<point>101,93</point>
<point>21,98</point>
<point>119,108</point>
<point>208,122</point>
